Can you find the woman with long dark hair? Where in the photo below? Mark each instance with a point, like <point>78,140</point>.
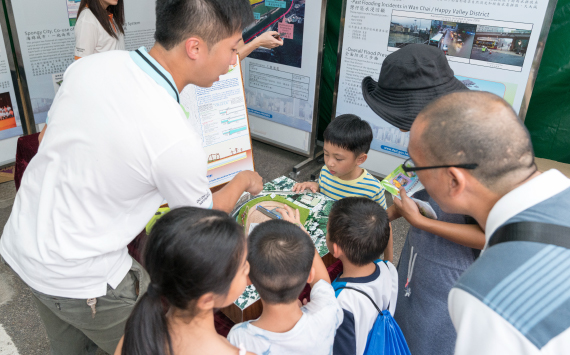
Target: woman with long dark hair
<point>99,27</point>
<point>196,259</point>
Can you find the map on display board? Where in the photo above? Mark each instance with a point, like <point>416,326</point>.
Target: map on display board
<point>45,35</point>
<point>219,116</point>
<point>490,45</point>
<point>280,82</point>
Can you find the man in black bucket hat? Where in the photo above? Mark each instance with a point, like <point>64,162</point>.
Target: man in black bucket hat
<point>436,252</point>
<point>410,79</point>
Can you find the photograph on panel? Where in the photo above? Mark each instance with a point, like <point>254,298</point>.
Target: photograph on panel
<point>7,118</point>
<point>408,30</point>
<point>285,17</point>
<point>500,45</point>
<point>453,38</point>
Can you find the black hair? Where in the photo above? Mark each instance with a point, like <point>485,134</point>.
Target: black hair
<point>360,227</point>
<point>280,256</point>
<point>350,132</point>
<point>211,20</point>
<point>477,127</point>
<point>102,15</point>
<point>190,252</point>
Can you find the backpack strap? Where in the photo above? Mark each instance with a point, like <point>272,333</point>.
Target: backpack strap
<point>364,293</point>
<point>532,232</point>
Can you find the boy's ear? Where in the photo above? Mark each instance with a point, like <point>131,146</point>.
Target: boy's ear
<point>337,251</point>
<point>206,301</point>
<point>311,275</point>
<point>361,158</point>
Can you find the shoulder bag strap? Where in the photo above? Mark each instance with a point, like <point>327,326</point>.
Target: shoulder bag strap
<point>362,292</point>
<point>532,232</point>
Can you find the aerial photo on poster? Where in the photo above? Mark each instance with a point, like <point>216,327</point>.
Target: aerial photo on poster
<point>285,17</point>
<point>500,45</point>
<point>453,38</point>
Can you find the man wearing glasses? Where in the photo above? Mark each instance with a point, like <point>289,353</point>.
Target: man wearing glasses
<point>475,157</point>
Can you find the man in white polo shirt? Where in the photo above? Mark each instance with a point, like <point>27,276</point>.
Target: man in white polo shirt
<point>475,157</point>
<point>118,143</point>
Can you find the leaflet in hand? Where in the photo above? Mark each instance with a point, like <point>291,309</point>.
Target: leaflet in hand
<point>398,178</point>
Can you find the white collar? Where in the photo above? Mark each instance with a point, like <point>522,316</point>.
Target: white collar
<point>541,188</point>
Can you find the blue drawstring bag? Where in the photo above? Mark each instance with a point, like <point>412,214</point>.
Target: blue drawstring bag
<point>386,337</point>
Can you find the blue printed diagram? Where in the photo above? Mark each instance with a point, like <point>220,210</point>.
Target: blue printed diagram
<point>236,114</point>
<point>233,131</point>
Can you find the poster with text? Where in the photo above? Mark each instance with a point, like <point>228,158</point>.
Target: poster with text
<point>46,40</point>
<point>490,45</point>
<point>219,116</point>
<point>10,124</point>
<point>280,82</point>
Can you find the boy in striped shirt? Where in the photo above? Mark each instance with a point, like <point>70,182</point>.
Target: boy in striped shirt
<point>347,142</point>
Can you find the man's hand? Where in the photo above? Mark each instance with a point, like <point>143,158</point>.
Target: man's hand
<point>307,185</point>
<point>407,208</point>
<point>268,40</point>
<point>255,182</point>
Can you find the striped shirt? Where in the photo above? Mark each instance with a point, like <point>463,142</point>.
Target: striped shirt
<point>364,186</point>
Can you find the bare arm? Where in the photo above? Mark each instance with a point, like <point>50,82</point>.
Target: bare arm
<point>321,273</point>
<point>469,235</point>
<point>266,40</point>
<point>245,181</point>
<point>42,133</point>
<point>389,251</point>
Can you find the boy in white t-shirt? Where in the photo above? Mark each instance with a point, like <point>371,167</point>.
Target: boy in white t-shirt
<point>282,260</point>
<point>358,232</point>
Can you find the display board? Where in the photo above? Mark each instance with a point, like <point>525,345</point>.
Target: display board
<point>10,104</point>
<point>282,84</point>
<point>44,39</point>
<point>219,115</point>
<point>491,46</point>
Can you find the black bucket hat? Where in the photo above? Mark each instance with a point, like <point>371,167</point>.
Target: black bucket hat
<point>410,79</point>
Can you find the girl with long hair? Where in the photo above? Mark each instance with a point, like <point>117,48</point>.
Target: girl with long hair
<point>99,27</point>
<point>196,259</point>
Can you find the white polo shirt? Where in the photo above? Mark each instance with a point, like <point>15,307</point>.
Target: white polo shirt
<point>112,152</point>
<point>91,37</point>
<point>515,299</point>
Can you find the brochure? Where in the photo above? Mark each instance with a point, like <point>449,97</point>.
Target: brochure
<point>410,181</point>
<point>398,178</point>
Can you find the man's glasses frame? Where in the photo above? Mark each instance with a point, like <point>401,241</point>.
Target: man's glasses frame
<point>416,168</point>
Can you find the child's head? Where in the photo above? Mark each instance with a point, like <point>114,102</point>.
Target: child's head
<point>347,142</point>
<point>358,230</point>
<point>280,255</point>
<point>196,259</point>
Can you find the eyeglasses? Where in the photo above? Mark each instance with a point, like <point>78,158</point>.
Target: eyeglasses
<point>409,166</point>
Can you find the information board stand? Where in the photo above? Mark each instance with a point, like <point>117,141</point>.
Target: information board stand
<point>44,40</point>
<point>12,121</point>
<point>493,46</point>
<point>282,84</point>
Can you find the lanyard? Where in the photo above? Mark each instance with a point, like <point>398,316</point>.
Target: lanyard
<point>159,73</point>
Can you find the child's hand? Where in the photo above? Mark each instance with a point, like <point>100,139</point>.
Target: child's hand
<point>407,208</point>
<point>291,215</point>
<point>307,185</point>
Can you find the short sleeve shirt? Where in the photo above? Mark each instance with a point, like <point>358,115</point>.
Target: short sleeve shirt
<point>111,155</point>
<point>313,334</point>
<point>364,186</point>
<point>91,37</point>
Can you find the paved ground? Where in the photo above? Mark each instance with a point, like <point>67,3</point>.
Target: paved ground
<point>21,331</point>
<point>498,56</point>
